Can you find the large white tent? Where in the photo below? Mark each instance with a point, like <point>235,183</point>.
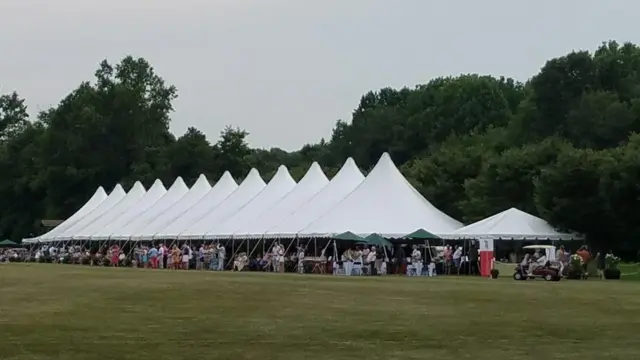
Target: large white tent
<point>279,186</point>
<point>114,197</point>
<point>199,189</point>
<point>175,192</point>
<point>512,224</point>
<point>136,193</point>
<point>98,197</point>
<point>311,183</point>
<point>216,195</point>
<point>384,203</point>
<point>248,189</point>
<point>342,184</point>
<point>155,192</point>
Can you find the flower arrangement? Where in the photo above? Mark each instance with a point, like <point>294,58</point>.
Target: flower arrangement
<point>611,270</point>
<point>611,261</point>
<point>575,272</point>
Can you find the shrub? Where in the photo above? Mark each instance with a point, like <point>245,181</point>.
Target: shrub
<point>495,273</point>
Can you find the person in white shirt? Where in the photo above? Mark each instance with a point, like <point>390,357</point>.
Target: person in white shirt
<point>221,256</point>
<point>161,252</point>
<point>371,259</point>
<point>281,258</point>
<point>457,255</point>
<point>416,260</point>
<point>357,261</point>
<point>348,262</point>
<point>301,260</point>
<point>275,257</point>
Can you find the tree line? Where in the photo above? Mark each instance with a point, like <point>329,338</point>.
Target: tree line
<point>563,146</point>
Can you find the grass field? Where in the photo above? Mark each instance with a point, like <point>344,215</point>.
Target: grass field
<point>72,312</point>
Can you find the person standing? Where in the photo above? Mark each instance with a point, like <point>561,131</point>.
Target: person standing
<point>162,256</point>
<point>222,252</point>
<point>348,262</point>
<point>416,260</point>
<point>301,260</point>
<point>153,257</point>
<point>275,257</point>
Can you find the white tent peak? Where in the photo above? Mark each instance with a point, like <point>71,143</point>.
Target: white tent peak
<point>384,203</point>
<point>178,182</point>
<point>282,173</point>
<point>511,224</point>
<point>137,187</point>
<point>312,182</point>
<point>226,177</point>
<point>313,174</point>
<point>279,186</point>
<point>219,211</point>
<point>202,179</point>
<point>344,182</point>
<point>157,184</point>
<point>156,191</point>
<point>96,199</point>
<point>117,189</point>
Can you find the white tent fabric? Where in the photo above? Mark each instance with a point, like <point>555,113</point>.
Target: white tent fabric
<point>174,227</point>
<point>512,224</point>
<point>250,187</point>
<point>279,186</point>
<point>98,197</point>
<point>384,203</point>
<point>310,184</point>
<point>175,192</point>
<point>114,197</point>
<point>134,195</point>
<point>155,192</point>
<point>197,191</point>
<point>343,183</point>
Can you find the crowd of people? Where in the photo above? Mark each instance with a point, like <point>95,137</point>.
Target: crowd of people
<point>347,260</point>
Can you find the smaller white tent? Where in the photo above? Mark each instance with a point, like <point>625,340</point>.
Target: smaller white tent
<point>136,193</point>
<point>384,203</point>
<point>310,184</point>
<point>512,224</point>
<point>216,195</point>
<point>175,192</point>
<point>98,197</point>
<point>248,189</point>
<point>156,191</point>
<point>342,184</point>
<point>197,191</point>
<point>114,197</point>
<point>279,186</point>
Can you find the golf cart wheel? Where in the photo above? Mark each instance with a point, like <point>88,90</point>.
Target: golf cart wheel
<point>518,276</point>
<point>548,277</point>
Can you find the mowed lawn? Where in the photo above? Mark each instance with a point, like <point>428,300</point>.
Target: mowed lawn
<point>76,312</point>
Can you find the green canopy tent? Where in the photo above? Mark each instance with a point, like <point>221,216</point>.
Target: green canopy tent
<point>8,244</point>
<point>421,234</point>
<point>377,240</point>
<point>348,236</point>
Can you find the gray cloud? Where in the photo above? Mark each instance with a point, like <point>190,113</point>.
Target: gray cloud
<point>285,70</point>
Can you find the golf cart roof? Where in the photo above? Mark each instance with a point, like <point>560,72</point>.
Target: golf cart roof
<point>539,247</point>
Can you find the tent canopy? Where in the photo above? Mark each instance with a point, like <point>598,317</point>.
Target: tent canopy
<point>377,240</point>
<point>384,203</point>
<point>349,236</point>
<point>421,234</point>
<point>512,224</point>
<point>8,243</point>
<point>343,183</point>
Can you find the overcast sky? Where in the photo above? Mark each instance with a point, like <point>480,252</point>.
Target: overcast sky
<point>286,70</point>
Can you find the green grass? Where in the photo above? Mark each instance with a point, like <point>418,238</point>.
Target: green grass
<point>73,312</point>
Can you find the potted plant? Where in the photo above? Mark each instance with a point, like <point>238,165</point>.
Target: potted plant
<point>576,271</point>
<point>611,270</point>
<point>495,273</point>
